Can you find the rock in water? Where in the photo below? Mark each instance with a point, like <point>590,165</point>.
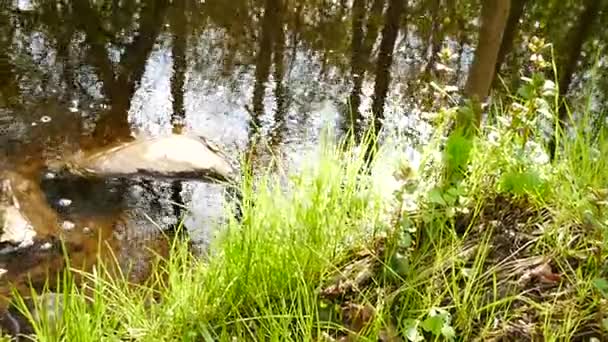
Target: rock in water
<point>16,230</point>
<point>172,156</point>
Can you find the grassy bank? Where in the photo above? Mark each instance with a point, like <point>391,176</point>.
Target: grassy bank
<point>514,249</point>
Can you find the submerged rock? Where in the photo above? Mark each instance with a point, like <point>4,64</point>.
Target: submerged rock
<point>16,231</point>
<point>172,156</point>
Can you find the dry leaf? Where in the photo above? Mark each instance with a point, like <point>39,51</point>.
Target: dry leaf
<point>357,316</point>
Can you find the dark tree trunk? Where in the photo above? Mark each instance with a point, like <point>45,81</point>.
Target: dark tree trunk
<point>570,52</point>
<point>133,60</point>
<point>295,37</point>
<point>515,13</point>
<point>385,60</point>
<point>494,15</point>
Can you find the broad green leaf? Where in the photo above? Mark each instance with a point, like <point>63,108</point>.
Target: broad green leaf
<point>400,264</point>
<point>526,91</point>
<point>436,197</point>
<point>433,324</point>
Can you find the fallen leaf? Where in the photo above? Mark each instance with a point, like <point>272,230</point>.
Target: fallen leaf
<point>541,273</point>
<point>357,316</point>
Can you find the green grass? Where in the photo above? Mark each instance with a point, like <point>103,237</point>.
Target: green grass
<point>260,277</point>
<point>330,252</point>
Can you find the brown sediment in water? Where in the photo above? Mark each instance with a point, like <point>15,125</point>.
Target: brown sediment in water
<point>88,241</point>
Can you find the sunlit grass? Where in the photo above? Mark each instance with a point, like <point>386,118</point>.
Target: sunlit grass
<point>459,265</point>
<point>261,276</point>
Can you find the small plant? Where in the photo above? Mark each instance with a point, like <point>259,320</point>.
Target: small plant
<point>437,323</point>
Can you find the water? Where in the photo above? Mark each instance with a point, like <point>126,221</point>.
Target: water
<point>78,75</point>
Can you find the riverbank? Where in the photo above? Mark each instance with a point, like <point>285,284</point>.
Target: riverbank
<point>514,250</point>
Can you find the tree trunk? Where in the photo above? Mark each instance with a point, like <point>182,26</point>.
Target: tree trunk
<point>515,13</point>
<point>494,14</point>
<point>571,50</point>
<point>361,47</point>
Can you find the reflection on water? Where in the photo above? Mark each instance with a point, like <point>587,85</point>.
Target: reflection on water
<point>263,73</point>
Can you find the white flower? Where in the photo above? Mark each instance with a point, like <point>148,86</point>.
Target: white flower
<point>536,153</point>
<point>494,138</point>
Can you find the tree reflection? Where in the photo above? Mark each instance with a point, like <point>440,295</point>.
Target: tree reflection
<point>263,62</point>
<point>280,92</point>
<point>260,39</point>
<point>361,47</point>
<point>130,71</point>
<point>178,53</point>
<point>179,30</point>
<point>385,59</point>
<point>9,88</point>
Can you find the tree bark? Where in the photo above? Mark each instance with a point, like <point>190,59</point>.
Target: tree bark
<point>494,15</point>
<point>515,13</point>
<point>571,51</point>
